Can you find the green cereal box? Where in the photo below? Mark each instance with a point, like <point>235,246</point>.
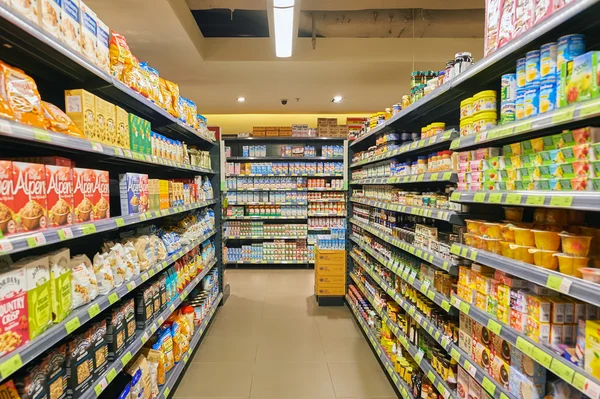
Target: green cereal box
<point>39,299</point>
<point>134,132</point>
<point>60,284</point>
<point>147,140</point>
<point>583,82</point>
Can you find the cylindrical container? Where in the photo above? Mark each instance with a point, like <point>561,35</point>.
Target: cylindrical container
<point>508,90</point>
<point>484,121</point>
<point>520,104</point>
<point>507,111</point>
<point>548,61</point>
<point>547,96</point>
<point>569,47</point>
<point>532,67</point>
<point>532,100</point>
<point>466,108</point>
<point>521,80</point>
<point>437,128</point>
<point>484,101</point>
<point>397,108</point>
<point>449,70</point>
<point>466,126</point>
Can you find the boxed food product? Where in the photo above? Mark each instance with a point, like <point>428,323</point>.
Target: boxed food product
<point>89,31</point>
<point>500,370</point>
<point>99,348</point>
<point>101,196</point>
<point>144,307</point>
<point>129,312</point>
<point>49,16</point>
<point>84,181</point>
<point>462,387</point>
<point>475,390</point>
<point>101,107</point>
<point>123,128</point>
<point>111,124</point>
<point>60,284</point>
<point>129,186</point>
<point>592,347</point>
<point>29,196</point>
<point>70,24</point>
<point>144,193</point>
<point>59,189</point>
<point>532,370</point>
<point>14,316</point>
<point>115,332</point>
<point>56,374</point>
<point>32,382</point>
<point>102,46</point>
<point>8,211</point>
<point>135,132</point>
<point>156,296</point>
<point>582,84</point>
<point>81,108</point>
<point>80,364</point>
<point>523,387</point>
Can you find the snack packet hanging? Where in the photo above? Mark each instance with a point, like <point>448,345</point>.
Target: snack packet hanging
<point>57,121</point>
<point>22,96</point>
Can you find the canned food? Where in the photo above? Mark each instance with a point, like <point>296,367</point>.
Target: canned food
<point>532,100</point>
<point>520,104</point>
<point>466,126</point>
<point>521,79</point>
<point>569,47</point>
<point>547,96</point>
<point>532,67</point>
<point>466,108</point>
<point>484,101</point>
<point>484,121</point>
<point>509,87</point>
<point>548,61</point>
<point>507,111</point>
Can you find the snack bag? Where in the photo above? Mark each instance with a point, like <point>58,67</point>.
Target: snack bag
<point>174,92</point>
<point>104,274</point>
<point>22,96</point>
<point>165,95</point>
<point>119,253</point>
<point>154,92</point>
<point>57,121</point>
<point>5,110</point>
<point>157,369</point>
<point>140,364</point>
<point>80,285</point>
<point>120,55</point>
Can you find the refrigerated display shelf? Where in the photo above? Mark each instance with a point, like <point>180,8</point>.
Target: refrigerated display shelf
<point>449,177</point>
<point>286,175</point>
<point>565,370</point>
<point>270,262</point>
<point>23,242</point>
<point>18,131</point>
<point>82,315</point>
<point>522,129</point>
<point>142,337</point>
<point>52,55</point>
<point>251,237</point>
<point>493,387</point>
<point>423,145</point>
<point>433,213</point>
<point>173,376</point>
<point>402,387</point>
<point>578,16</point>
<point>415,353</point>
<point>583,290</point>
<point>580,200</point>
<point>275,158</point>
<point>406,274</point>
<point>261,217</point>
<point>448,265</point>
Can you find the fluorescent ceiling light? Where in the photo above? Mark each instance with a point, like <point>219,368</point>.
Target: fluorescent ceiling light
<point>283,3</point>
<point>337,99</point>
<point>241,99</point>
<point>283,23</point>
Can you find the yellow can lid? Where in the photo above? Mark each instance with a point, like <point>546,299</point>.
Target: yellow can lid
<point>466,121</point>
<point>485,93</point>
<point>488,115</point>
<point>438,124</point>
<point>424,129</point>
<point>466,101</point>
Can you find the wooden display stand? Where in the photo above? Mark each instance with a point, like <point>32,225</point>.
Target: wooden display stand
<point>330,277</point>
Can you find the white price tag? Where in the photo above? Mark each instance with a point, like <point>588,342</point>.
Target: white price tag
<point>67,232</point>
<point>39,238</point>
<point>118,151</point>
<point>5,246</point>
<point>128,154</point>
<point>5,126</point>
<point>472,370</point>
<point>97,147</point>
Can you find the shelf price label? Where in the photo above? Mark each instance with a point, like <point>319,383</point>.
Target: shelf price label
<point>112,298</point>
<point>524,346</point>
<point>72,325</point>
<point>587,386</point>
<point>111,375</point>
<point>65,234</point>
<point>94,310</point>
<point>479,197</point>
<point>563,201</point>
<point>541,357</point>
<point>488,386</point>
<point>535,200</point>
<point>560,284</point>
<point>35,240</point>
<point>564,115</point>
<point>495,198</point>
<point>11,365</point>
<point>89,228</point>
<point>494,327</point>
<point>513,199</point>
<point>563,371</point>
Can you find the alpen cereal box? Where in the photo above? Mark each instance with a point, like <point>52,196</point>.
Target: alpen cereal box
<point>14,323</point>
<point>50,14</point>
<point>144,193</point>
<point>84,181</point>
<point>89,31</point>
<point>8,224</point>
<point>59,194</point>
<point>101,196</point>
<point>129,187</point>
<point>39,299</point>
<point>70,24</point>
<point>29,196</point>
<point>102,46</point>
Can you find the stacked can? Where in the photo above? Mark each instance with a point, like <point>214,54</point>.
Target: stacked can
<point>466,114</point>
<point>531,99</point>
<point>521,83</point>
<point>508,98</point>
<point>548,54</point>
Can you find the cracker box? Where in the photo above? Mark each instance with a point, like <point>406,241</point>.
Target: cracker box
<point>129,187</point>
<point>8,220</point>
<point>462,387</point>
<point>81,108</point>
<point>70,24</point>
<point>89,31</point>
<point>84,181</point>
<point>80,364</point>
<point>56,373</point>
<point>134,132</point>
<point>156,297</point>
<point>39,299</point>
<point>101,107</point>
<point>29,196</point>
<point>101,196</point>
<point>14,320</point>
<point>523,387</point>
<point>122,128</point>
<point>59,194</point>
<point>525,365</point>
<point>144,193</point>
<point>102,46</point>
<point>115,332</point>
<point>49,16</point>
<point>60,284</point>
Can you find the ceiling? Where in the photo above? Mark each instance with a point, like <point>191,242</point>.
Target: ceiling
<point>365,50</point>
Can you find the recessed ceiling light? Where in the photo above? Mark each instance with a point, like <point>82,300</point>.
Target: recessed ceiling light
<point>337,99</point>
<point>241,99</point>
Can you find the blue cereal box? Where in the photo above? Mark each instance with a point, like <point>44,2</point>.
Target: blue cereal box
<point>129,189</point>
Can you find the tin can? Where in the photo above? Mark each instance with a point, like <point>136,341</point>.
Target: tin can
<point>547,96</point>
<point>569,47</point>
<point>532,100</point>
<point>532,67</point>
<point>507,111</point>
<point>548,61</point>
<point>508,91</point>
<point>520,104</point>
<point>521,80</point>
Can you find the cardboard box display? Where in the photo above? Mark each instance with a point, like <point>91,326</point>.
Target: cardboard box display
<point>49,16</point>
<point>144,193</point>
<point>56,373</point>
<point>29,196</point>
<point>80,364</point>
<point>59,194</point>
<point>14,310</point>
<point>81,108</point>
<point>99,348</point>
<point>129,187</point>
<point>89,31</point>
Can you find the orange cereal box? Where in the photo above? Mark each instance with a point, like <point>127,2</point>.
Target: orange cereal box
<point>8,224</point>
<point>59,189</point>
<point>29,196</point>
<point>101,195</point>
<point>84,182</point>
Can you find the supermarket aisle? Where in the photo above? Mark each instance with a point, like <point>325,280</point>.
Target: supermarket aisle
<point>271,341</point>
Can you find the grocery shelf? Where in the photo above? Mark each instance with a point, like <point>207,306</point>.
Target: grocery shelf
<point>450,177</point>
<point>142,337</point>
<point>569,285</point>
<point>415,353</point>
<point>44,54</point>
<point>283,138</point>
<point>322,228</point>
<point>82,315</point>
<point>406,274</point>
<point>402,387</point>
<point>265,203</point>
<point>433,213</point>
<point>281,189</point>
<point>326,214</point>
<point>286,175</point>
<point>327,200</point>
<point>444,102</point>
<point>550,121</point>
<point>23,242</point>
<point>251,237</point>
<point>448,265</point>
<point>423,145</point>
<point>477,372</point>
<point>270,262</point>
<point>173,376</point>
<point>262,217</point>
<point>565,370</point>
<point>32,135</point>
<point>581,200</point>
<point>292,159</point>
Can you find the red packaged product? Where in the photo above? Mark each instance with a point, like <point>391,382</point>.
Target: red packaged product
<point>8,390</point>
<point>7,209</point>
<point>59,193</point>
<point>542,9</point>
<point>144,195</point>
<point>14,319</point>
<point>84,182</point>
<point>101,195</point>
<point>29,196</point>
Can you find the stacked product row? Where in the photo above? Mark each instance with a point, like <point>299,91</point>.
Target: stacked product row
<point>282,183</point>
<point>285,168</point>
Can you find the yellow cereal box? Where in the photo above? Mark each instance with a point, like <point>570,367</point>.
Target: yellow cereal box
<point>111,124</point>
<point>81,108</point>
<point>122,127</point>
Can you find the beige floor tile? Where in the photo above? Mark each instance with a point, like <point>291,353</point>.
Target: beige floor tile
<point>290,349</point>
<point>359,379</point>
<point>338,327</point>
<point>279,380</point>
<point>217,349</point>
<point>204,380</point>
<point>244,308</point>
<point>236,327</point>
<point>347,350</point>
<point>291,327</point>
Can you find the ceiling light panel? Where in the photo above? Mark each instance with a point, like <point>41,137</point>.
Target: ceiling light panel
<point>283,24</point>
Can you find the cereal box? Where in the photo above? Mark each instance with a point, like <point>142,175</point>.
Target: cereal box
<point>123,128</point>
<point>29,196</point>
<point>99,348</point>
<point>134,132</point>
<point>8,224</point>
<point>111,124</point>
<point>81,108</point>
<point>89,31</point>
<point>32,382</point>
<point>102,46</point>
<point>129,187</point>
<point>101,107</point>
<point>59,193</point>
<point>492,21</point>
<point>84,181</point>
<point>14,321</point>
<point>80,364</point>
<point>101,195</point>
<point>56,373</point>
<point>70,28</point>
<point>506,24</point>
<point>144,193</point>
<point>8,390</point>
<point>27,8</point>
<point>60,284</point>
<point>130,324</point>
<point>49,14</point>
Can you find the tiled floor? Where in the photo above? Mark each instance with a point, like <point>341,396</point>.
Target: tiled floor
<point>272,341</point>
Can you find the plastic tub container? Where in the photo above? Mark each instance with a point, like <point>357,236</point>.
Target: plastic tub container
<point>466,126</point>
<point>590,274</point>
<point>575,245</point>
<point>521,79</point>
<point>548,54</point>
<point>507,251</point>
<point>492,245</point>
<point>524,236</point>
<point>550,216</point>
<point>483,121</point>
<point>593,232</point>
<point>508,234</point>
<point>437,128</point>
<point>521,253</point>
<point>491,230</point>
<point>546,240</point>
<point>571,265</point>
<point>532,100</point>
<point>545,259</point>
<point>474,226</point>
<point>484,101</point>
<point>532,67</point>
<point>466,108</point>
<point>513,214</point>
